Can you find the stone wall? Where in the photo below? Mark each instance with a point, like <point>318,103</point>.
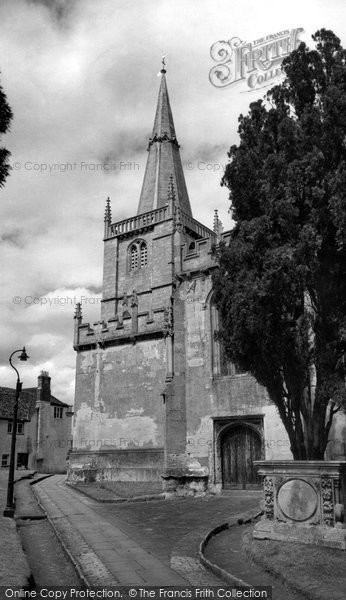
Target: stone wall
<point>118,396</point>
<point>116,465</point>
<point>153,282</point>
<point>46,442</point>
<point>24,442</point>
<point>210,396</point>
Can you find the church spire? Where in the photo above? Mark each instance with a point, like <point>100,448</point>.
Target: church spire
<point>164,159</point>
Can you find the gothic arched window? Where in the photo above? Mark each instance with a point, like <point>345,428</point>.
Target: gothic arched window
<point>221,363</point>
<point>138,255</point>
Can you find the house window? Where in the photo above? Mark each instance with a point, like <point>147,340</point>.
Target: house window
<point>20,428</point>
<point>22,460</point>
<point>4,460</point>
<point>58,412</point>
<point>138,255</point>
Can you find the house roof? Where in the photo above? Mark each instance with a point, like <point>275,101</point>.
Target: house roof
<point>57,402</point>
<point>26,404</point>
<point>53,399</point>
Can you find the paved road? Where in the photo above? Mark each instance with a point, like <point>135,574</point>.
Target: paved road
<point>153,543</point>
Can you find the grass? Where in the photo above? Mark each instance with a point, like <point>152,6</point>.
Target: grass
<point>321,572</point>
<point>119,489</point>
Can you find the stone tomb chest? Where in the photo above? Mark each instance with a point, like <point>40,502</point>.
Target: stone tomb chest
<point>304,501</point>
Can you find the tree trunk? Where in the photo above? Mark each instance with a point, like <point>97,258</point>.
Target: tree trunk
<point>310,444</point>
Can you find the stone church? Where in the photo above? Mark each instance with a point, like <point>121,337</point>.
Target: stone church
<point>155,400</point>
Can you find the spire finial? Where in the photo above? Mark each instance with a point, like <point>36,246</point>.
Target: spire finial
<point>108,217</point>
<point>108,212</point>
<point>171,190</point>
<point>163,70</point>
<point>216,221</point>
<point>217,227</point>
<point>78,312</point>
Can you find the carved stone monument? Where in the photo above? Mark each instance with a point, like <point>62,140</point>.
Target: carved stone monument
<point>304,501</point>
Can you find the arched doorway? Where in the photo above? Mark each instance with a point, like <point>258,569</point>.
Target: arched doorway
<point>241,444</point>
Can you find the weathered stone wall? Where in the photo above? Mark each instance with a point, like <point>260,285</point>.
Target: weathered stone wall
<point>57,443</point>
<point>118,396</point>
<point>152,282</point>
<point>24,442</point>
<point>116,465</point>
<point>209,395</point>
<point>336,447</point>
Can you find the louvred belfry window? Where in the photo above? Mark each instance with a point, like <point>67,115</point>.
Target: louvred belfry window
<point>134,257</point>
<point>144,254</point>
<point>138,255</point>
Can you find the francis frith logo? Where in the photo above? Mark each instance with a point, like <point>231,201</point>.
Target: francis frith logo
<point>257,63</point>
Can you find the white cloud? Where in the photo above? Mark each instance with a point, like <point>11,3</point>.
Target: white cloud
<point>81,79</point>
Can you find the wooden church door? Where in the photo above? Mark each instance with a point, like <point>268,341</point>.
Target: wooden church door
<point>240,446</point>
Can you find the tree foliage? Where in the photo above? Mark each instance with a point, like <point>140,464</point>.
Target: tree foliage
<point>5,120</point>
<point>281,285</point>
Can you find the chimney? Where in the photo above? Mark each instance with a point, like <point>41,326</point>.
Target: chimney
<point>43,387</point>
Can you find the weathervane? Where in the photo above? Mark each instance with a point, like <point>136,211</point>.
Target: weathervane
<point>163,70</point>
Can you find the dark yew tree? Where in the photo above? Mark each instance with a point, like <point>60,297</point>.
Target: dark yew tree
<point>281,285</point>
<point>5,119</point>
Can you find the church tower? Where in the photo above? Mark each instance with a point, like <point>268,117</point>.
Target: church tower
<point>156,399</point>
<point>130,390</point>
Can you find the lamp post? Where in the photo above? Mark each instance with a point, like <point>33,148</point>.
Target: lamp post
<point>9,510</point>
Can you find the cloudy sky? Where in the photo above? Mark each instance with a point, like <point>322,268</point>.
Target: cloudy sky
<point>81,78</point>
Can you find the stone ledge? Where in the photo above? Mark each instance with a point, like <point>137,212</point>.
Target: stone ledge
<point>297,467</point>
<point>329,537</point>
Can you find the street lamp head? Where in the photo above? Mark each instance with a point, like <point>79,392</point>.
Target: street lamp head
<point>24,355</point>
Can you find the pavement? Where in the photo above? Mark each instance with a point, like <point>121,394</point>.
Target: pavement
<point>154,543</point>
